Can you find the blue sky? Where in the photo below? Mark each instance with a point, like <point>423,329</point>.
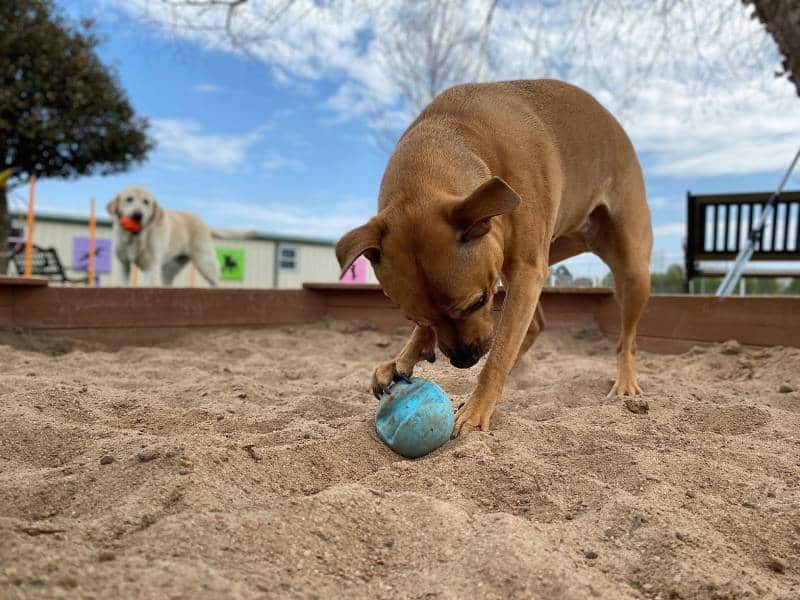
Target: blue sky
<point>286,142</point>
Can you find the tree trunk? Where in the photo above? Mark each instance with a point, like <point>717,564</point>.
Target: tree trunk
<point>781,18</point>
<point>5,228</point>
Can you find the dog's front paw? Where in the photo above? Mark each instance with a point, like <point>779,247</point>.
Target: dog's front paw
<point>385,375</point>
<point>474,415</point>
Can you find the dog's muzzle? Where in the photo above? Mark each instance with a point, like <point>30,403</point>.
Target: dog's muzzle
<point>464,358</point>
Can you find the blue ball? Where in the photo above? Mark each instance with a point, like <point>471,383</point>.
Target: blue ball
<point>414,418</point>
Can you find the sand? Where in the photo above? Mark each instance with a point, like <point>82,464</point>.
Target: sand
<point>244,464</point>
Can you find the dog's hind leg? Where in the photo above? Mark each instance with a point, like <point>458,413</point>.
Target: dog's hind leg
<point>206,262</point>
<point>625,248</point>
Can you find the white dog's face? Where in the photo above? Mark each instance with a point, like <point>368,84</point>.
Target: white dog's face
<point>135,203</point>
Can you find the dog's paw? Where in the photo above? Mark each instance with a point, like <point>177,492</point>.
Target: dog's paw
<point>470,417</point>
<point>385,375</point>
<point>624,387</point>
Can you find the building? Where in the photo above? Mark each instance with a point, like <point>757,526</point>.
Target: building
<point>265,261</point>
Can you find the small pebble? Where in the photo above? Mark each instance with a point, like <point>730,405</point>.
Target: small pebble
<point>690,494</point>
<point>242,395</point>
<point>785,388</point>
<point>590,554</point>
<point>776,565</point>
<point>106,556</point>
<point>748,504</point>
<point>106,460</point>
<point>637,405</point>
<point>770,494</point>
<point>681,536</point>
<point>147,455</point>
<point>731,347</point>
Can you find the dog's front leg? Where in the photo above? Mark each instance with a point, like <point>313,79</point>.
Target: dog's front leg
<point>421,344</point>
<point>524,288</point>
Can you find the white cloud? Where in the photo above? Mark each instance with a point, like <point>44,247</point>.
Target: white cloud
<point>288,218</point>
<point>663,203</point>
<point>207,88</point>
<point>693,85</point>
<point>185,141</point>
<point>670,229</point>
<point>276,162</point>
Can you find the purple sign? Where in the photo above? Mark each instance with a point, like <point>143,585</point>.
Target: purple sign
<point>102,254</point>
<point>357,273</point>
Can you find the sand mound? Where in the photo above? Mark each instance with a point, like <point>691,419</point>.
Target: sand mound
<point>244,464</point>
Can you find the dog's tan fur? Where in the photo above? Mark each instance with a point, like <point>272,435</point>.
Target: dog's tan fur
<point>167,242</point>
<point>497,182</point>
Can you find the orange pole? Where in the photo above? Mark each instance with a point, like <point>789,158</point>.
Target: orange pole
<point>191,275</point>
<point>134,275</point>
<point>91,244</point>
<point>29,237</point>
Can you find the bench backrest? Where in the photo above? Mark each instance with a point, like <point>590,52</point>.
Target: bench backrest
<point>44,261</point>
<point>718,226</point>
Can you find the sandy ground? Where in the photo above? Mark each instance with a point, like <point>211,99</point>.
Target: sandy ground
<point>244,464</point>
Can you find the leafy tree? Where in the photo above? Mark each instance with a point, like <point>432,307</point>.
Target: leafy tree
<point>669,282</point>
<point>62,112</point>
<point>781,18</point>
<point>761,285</point>
<point>793,287</point>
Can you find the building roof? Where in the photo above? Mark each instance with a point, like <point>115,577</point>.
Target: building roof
<point>106,222</point>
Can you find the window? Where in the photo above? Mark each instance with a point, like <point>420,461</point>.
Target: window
<point>287,258</point>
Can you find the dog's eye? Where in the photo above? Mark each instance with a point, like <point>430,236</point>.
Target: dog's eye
<point>478,304</point>
<point>129,199</point>
<point>145,201</point>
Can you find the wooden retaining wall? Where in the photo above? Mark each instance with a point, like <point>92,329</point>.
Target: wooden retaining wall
<point>670,323</point>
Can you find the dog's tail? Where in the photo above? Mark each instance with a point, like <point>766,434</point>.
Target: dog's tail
<point>233,234</point>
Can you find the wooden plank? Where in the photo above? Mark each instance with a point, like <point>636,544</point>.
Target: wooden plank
<point>7,280</point>
<point>745,198</point>
<point>670,323</point>
<point>352,287</point>
<point>63,307</point>
<point>752,320</point>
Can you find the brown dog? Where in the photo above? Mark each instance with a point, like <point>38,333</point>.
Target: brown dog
<point>497,182</point>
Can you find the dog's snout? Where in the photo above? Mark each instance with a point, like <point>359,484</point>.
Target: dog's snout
<point>464,357</point>
<point>137,216</point>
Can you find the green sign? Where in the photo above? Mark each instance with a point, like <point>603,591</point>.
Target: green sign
<point>231,263</point>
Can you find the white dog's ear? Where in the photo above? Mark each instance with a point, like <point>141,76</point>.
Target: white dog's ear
<point>158,212</point>
<point>364,240</point>
<point>472,216</point>
<point>113,206</point>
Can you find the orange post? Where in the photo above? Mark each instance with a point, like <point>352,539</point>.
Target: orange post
<point>29,236</point>
<point>134,275</point>
<point>91,244</point>
<point>191,275</point>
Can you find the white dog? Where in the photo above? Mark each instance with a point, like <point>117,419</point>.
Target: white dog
<point>159,242</point>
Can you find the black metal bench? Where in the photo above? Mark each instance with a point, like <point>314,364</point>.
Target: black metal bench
<point>45,263</point>
<point>718,225</point>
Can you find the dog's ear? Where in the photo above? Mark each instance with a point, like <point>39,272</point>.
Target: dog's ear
<point>472,215</point>
<point>364,240</point>
<point>113,206</point>
<point>158,213</point>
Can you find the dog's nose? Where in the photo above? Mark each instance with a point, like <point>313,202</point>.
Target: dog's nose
<point>464,358</point>
<point>137,216</point>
